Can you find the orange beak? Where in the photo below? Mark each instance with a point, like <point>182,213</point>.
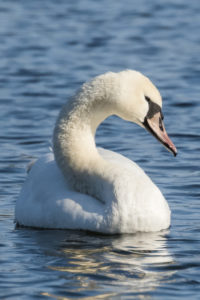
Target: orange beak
<point>156,127</point>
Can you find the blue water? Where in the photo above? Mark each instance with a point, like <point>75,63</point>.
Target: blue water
<point>47,50</point>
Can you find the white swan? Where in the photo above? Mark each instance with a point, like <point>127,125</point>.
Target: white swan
<point>96,189</point>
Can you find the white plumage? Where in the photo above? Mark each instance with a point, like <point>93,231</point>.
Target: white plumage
<point>88,188</point>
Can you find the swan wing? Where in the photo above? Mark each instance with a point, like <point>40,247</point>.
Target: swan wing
<point>47,201</point>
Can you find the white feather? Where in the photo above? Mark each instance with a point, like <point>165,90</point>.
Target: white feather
<point>88,188</point>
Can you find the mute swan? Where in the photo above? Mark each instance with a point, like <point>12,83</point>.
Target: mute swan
<point>97,189</point>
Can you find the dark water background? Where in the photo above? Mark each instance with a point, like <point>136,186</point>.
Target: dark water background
<point>49,48</point>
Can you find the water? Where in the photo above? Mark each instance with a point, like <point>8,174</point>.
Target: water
<point>49,48</point>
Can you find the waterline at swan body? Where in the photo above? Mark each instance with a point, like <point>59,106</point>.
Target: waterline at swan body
<point>82,187</point>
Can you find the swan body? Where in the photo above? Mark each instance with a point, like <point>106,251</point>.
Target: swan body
<point>83,187</point>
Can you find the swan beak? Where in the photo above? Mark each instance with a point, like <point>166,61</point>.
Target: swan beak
<point>156,127</point>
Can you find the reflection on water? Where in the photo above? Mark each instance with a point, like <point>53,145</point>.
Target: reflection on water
<point>92,264</point>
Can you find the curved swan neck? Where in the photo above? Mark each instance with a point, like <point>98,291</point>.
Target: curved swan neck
<point>74,135</point>
<point>73,141</point>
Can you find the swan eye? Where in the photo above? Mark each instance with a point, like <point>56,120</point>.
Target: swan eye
<point>147,99</point>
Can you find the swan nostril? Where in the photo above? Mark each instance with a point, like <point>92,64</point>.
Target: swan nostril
<point>160,124</point>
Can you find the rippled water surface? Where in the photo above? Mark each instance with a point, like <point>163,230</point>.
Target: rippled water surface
<point>49,48</point>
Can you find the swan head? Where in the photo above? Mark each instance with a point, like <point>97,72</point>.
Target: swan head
<point>139,101</point>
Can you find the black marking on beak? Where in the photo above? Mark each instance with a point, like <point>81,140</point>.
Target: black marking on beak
<point>162,135</point>
<point>153,108</point>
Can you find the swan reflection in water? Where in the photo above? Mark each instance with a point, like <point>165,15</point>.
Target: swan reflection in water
<point>106,265</point>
